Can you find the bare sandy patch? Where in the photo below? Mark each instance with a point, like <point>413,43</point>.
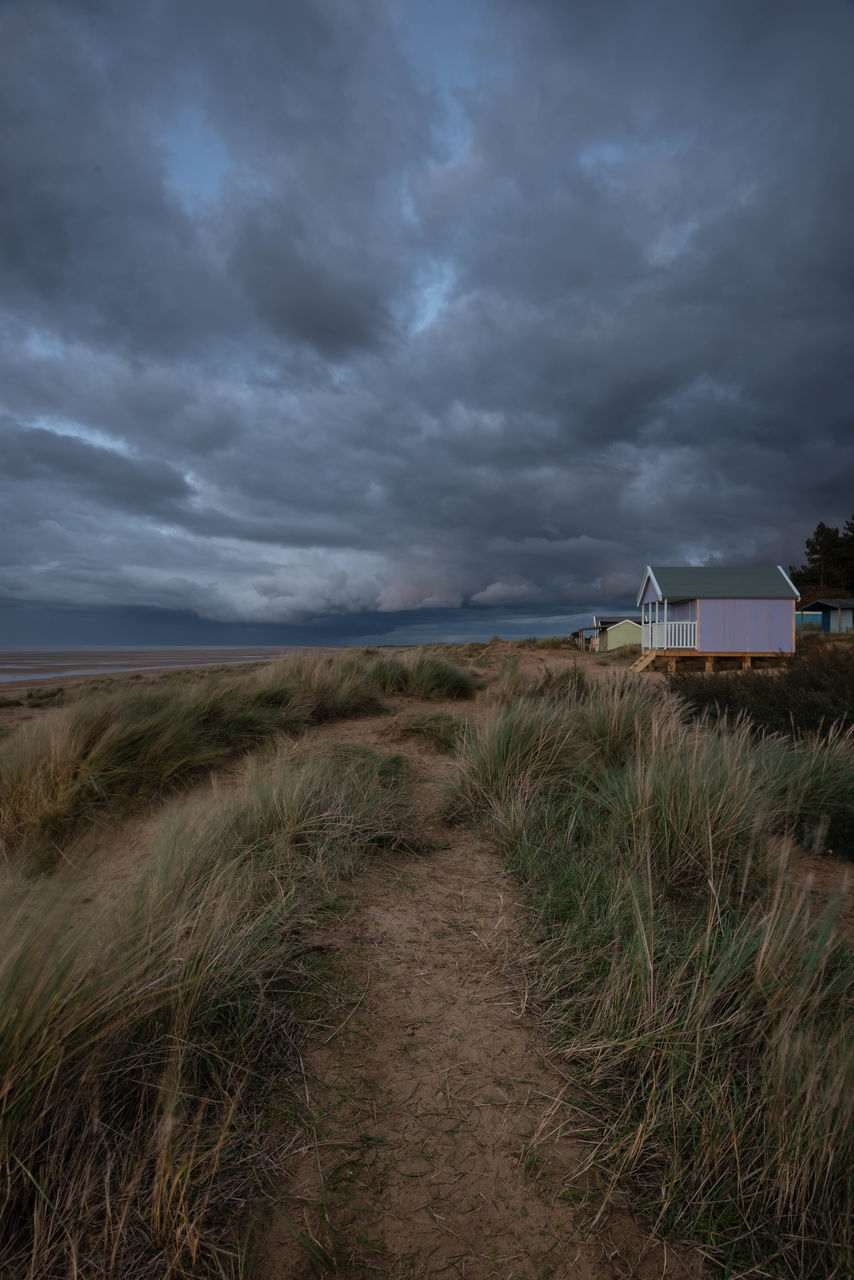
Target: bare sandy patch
<point>433,1149</point>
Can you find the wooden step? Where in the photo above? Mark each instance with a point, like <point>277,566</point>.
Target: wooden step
<point>645,660</point>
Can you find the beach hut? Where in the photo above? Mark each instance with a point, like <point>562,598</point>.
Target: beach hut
<point>837,614</point>
<point>616,632</point>
<point>716,613</point>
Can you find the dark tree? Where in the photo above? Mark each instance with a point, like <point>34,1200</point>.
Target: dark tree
<point>824,554</point>
<point>829,562</point>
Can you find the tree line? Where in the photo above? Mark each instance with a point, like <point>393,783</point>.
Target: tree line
<point>829,562</point>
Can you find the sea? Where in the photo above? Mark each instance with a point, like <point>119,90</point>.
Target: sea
<point>28,667</point>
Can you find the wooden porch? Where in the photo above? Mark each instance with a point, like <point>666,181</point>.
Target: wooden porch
<point>673,660</point>
<point>668,635</point>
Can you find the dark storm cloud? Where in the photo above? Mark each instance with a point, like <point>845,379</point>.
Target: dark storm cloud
<point>305,292</point>
<point>43,457</point>
<point>300,317</point>
<point>91,245</point>
<point>96,242</point>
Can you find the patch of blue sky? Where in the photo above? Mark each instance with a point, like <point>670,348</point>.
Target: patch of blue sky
<point>432,295</point>
<point>603,157</point>
<point>672,242</point>
<point>703,389</point>
<point>197,159</point>
<point>62,426</point>
<point>407,204</point>
<point>439,40</point>
<point>43,344</point>
<point>613,160</point>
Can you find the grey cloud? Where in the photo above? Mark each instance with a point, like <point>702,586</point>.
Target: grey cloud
<point>45,457</point>
<point>606,318</point>
<point>91,245</point>
<point>95,239</point>
<point>306,291</point>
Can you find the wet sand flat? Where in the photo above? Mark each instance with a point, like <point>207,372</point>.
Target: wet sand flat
<point>27,667</point>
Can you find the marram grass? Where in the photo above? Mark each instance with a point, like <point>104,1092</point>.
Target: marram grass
<point>708,1009</point>
<point>440,730</point>
<point>148,1060</point>
<point>114,750</point>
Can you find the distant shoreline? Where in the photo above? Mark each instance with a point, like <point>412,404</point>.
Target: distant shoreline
<point>27,668</point>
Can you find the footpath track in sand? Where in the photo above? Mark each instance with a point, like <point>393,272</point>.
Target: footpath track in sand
<point>436,1149</point>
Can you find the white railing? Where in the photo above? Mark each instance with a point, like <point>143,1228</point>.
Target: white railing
<point>669,635</point>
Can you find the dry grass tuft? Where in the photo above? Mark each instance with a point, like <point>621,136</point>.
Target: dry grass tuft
<point>441,730</point>
<point>419,675</point>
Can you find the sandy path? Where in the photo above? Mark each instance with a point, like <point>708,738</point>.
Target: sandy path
<point>433,1151</point>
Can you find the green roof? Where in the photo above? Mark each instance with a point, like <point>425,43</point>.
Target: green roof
<point>686,582</point>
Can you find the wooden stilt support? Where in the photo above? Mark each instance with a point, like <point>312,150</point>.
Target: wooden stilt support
<point>673,659</point>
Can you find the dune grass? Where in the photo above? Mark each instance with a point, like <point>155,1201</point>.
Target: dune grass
<point>148,1061</point>
<point>418,675</point>
<point>520,749</point>
<point>707,1009</point>
<point>556,685</point>
<point>441,730</point>
<point>119,748</point>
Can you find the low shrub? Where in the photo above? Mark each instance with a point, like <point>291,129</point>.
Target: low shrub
<point>813,691</point>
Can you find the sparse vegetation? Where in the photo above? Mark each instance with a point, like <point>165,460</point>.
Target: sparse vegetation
<point>144,1061</point>
<point>622,653</point>
<point>50,696</point>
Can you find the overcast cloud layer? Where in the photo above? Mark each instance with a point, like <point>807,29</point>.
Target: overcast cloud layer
<point>370,307</point>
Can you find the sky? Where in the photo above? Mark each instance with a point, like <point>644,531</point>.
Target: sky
<point>408,320</point>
